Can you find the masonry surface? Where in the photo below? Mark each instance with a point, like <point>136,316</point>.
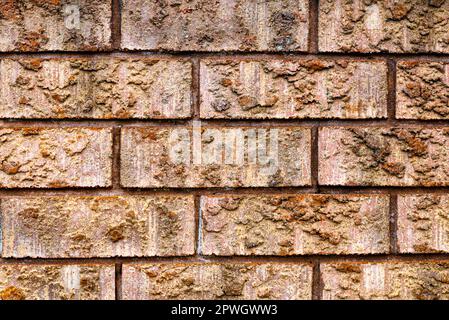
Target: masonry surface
<point>247,149</point>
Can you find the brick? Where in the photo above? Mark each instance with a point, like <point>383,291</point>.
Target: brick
<point>85,227</point>
<point>51,25</point>
<point>422,90</point>
<point>35,157</point>
<point>287,89</point>
<point>294,224</point>
<point>423,226</point>
<point>95,88</point>
<point>222,157</point>
<point>201,25</point>
<point>391,26</point>
<point>57,282</point>
<point>386,280</point>
<point>211,281</point>
<point>376,156</point>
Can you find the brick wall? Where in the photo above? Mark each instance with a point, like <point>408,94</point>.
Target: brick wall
<point>99,201</point>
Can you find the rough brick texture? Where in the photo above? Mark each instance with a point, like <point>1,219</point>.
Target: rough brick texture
<point>203,25</point>
<point>423,223</point>
<point>392,280</point>
<point>55,158</point>
<point>384,156</point>
<point>52,25</point>
<point>84,227</point>
<point>293,89</point>
<point>295,224</point>
<point>95,88</point>
<point>161,157</point>
<point>57,282</point>
<point>217,281</point>
<point>422,90</point>
<point>392,26</point>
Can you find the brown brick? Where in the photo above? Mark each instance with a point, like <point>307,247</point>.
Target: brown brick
<point>422,90</point>
<point>293,89</point>
<point>386,280</point>
<point>161,157</point>
<point>95,88</point>
<point>392,26</point>
<point>246,281</point>
<point>84,227</point>
<point>294,224</point>
<point>57,282</point>
<point>51,25</point>
<point>377,156</point>
<point>202,25</point>
<point>423,226</point>
<point>55,158</point>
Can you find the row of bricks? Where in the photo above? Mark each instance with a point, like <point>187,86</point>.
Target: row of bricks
<point>282,225</point>
<point>149,88</point>
<point>259,156</point>
<point>224,25</point>
<point>289,281</point>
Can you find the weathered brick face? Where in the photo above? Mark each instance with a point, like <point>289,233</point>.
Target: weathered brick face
<point>55,158</point>
<point>224,149</point>
<point>245,281</point>
<point>384,156</point>
<point>293,89</point>
<point>203,25</point>
<point>84,227</point>
<point>52,25</point>
<point>388,280</point>
<point>392,26</point>
<point>213,157</point>
<point>57,282</point>
<point>289,225</point>
<point>95,88</point>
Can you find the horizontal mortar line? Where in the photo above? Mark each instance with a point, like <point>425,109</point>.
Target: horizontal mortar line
<point>105,192</point>
<point>228,54</point>
<point>164,123</point>
<point>236,259</point>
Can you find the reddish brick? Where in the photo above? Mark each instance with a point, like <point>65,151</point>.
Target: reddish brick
<point>95,88</point>
<point>195,281</point>
<point>294,224</point>
<point>422,90</point>
<point>386,280</point>
<point>423,225</point>
<point>375,156</point>
<point>57,282</point>
<point>51,25</point>
<point>392,26</point>
<point>293,89</point>
<point>257,157</point>
<point>84,227</point>
<point>55,158</point>
<point>202,25</point>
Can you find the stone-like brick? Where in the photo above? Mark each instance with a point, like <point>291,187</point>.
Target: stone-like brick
<point>392,26</point>
<point>203,25</point>
<point>376,156</point>
<point>215,157</point>
<point>246,281</point>
<point>55,158</point>
<point>57,282</point>
<point>294,224</point>
<point>423,223</point>
<point>293,89</point>
<point>95,88</point>
<point>49,25</point>
<point>84,227</point>
<point>422,90</point>
<point>386,280</point>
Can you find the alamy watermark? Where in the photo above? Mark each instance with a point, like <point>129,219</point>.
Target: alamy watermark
<point>72,16</point>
